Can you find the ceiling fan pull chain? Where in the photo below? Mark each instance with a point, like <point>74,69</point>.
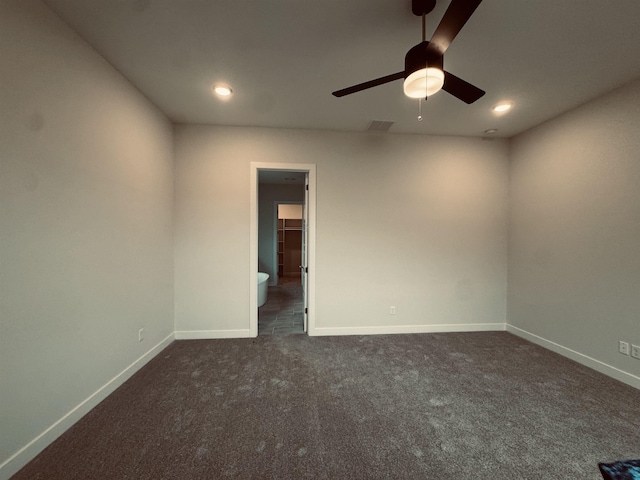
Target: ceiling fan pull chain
<point>420,107</point>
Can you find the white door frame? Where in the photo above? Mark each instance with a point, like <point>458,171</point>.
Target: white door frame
<point>253,240</point>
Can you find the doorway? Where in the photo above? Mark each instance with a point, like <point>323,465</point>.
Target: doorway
<point>283,311</point>
<point>291,293</point>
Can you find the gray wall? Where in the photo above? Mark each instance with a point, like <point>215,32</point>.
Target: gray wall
<point>267,196</point>
<point>574,250</point>
<point>85,226</point>
<point>418,222</point>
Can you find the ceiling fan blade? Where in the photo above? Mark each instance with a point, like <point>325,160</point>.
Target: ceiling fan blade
<point>460,89</point>
<point>369,84</point>
<point>455,17</point>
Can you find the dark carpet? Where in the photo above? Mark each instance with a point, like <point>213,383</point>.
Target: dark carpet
<point>429,406</point>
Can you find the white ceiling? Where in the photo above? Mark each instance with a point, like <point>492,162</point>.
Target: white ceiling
<point>283,58</point>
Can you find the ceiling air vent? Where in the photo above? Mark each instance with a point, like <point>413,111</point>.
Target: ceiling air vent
<point>379,126</point>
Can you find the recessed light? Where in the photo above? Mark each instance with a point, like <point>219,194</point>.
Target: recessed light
<point>502,107</point>
<point>222,90</point>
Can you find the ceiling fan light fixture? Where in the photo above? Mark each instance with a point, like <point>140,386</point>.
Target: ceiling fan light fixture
<point>424,82</point>
<point>222,90</point>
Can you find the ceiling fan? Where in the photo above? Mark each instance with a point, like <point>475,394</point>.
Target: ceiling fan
<point>423,65</point>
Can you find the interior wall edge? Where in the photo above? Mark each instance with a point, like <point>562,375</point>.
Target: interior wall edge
<point>27,453</point>
<point>590,362</point>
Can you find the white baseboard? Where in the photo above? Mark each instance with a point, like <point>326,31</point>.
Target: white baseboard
<point>212,334</point>
<point>38,444</point>
<point>393,329</point>
<point>581,358</point>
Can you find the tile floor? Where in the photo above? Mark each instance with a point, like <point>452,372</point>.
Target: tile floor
<point>282,314</point>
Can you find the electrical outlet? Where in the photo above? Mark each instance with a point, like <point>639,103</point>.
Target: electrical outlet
<point>141,334</point>
<point>623,347</point>
<point>635,351</point>
<point>392,310</point>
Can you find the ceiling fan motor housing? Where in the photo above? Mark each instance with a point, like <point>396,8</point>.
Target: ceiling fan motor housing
<point>422,7</point>
<point>421,56</point>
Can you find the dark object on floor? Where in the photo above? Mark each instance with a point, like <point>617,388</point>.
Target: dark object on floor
<point>623,470</point>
